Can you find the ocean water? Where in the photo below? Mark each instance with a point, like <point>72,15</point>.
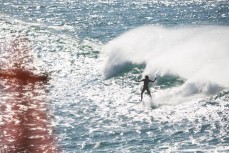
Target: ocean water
<point>94,52</point>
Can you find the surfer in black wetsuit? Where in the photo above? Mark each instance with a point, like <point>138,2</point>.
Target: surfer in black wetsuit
<point>146,85</point>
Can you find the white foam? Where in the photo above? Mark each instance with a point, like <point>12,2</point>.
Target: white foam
<point>197,54</point>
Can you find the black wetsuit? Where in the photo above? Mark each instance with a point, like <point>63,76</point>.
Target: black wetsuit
<point>146,86</point>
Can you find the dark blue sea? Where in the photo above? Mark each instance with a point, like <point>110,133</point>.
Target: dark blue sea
<point>95,52</point>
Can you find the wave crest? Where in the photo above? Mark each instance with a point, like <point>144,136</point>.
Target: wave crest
<point>197,54</point>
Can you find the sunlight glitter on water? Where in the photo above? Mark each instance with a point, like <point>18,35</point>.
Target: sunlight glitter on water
<point>84,111</point>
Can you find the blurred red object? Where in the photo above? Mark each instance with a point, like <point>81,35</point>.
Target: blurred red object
<point>24,120</point>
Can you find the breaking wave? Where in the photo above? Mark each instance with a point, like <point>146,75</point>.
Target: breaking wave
<point>196,55</point>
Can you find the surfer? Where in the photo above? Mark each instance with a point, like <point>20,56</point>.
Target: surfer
<point>146,85</point>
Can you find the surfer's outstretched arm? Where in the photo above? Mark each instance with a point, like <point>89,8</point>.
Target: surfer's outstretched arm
<point>153,80</point>
<point>140,80</point>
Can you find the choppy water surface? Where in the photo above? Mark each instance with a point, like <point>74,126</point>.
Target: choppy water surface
<point>94,52</point>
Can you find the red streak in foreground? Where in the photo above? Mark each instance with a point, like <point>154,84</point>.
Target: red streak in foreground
<point>24,119</point>
<point>22,75</point>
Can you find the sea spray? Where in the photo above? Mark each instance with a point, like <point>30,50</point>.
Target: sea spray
<point>90,114</point>
<point>198,55</point>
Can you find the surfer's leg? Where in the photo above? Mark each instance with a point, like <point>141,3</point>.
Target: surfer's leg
<point>142,93</point>
<point>148,92</point>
